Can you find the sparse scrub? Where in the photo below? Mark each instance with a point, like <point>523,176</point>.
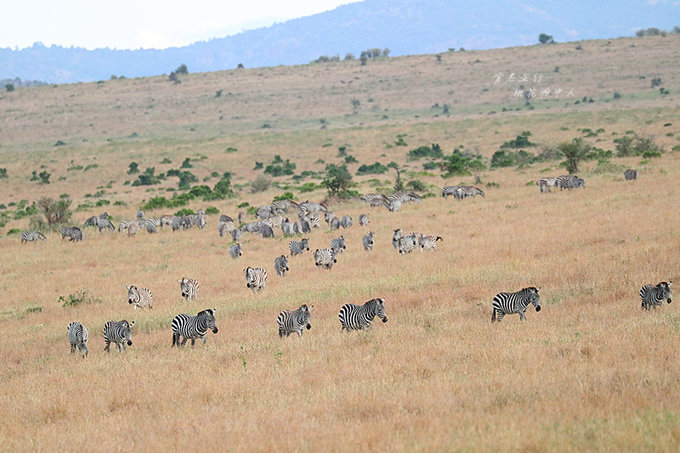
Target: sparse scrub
<point>260,184</point>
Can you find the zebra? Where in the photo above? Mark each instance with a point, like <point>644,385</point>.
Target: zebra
<point>225,226</point>
<point>241,218</point>
<point>360,317</point>
<point>363,219</point>
<point>334,223</point>
<point>102,222</point>
<point>200,220</point>
<point>287,227</point>
<point>132,229</point>
<point>407,244</point>
<point>119,333</point>
<point>544,184</point>
<point>569,182</point>
<point>314,220</point>
<point>251,227</point>
<point>449,190</point>
<point>266,231</point>
<point>393,205</point>
<point>150,225</point>
<point>653,296</point>
<point>374,199</point>
<point>405,197</point>
<point>298,247</point>
<point>281,265</point>
<point>428,242</point>
<point>468,191</point>
<point>165,220</point>
<point>74,234</point>
<point>235,250</point>
<point>236,234</point>
<point>32,236</point>
<point>139,297</point>
<point>193,327</point>
<point>398,233</point>
<point>509,303</point>
<point>77,336</point>
<point>308,206</point>
<point>256,278</point>
<point>367,241</point>
<point>324,258</point>
<point>264,212</point>
<point>290,321</point>
<point>189,288</point>
<point>338,245</point>
<point>630,174</point>
<point>328,216</point>
<point>282,206</point>
<point>346,221</point>
<point>140,215</point>
<point>125,224</point>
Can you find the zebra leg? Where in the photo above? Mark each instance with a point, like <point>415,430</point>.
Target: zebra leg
<point>193,341</point>
<point>185,341</point>
<point>118,347</point>
<point>203,338</point>
<point>108,346</point>
<point>73,348</point>
<point>522,317</point>
<point>500,316</point>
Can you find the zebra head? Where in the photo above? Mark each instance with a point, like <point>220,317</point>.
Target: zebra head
<point>248,270</point>
<point>127,331</point>
<point>307,312</point>
<point>380,309</point>
<point>209,316</point>
<point>665,288</point>
<point>305,244</point>
<point>184,286</point>
<point>534,297</point>
<point>132,293</point>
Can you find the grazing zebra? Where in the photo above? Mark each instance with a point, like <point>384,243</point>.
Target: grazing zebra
<point>225,226</point>
<point>328,216</point>
<point>193,327</point>
<point>630,174</point>
<point>150,225</point>
<point>165,220</point>
<point>139,297</point>
<point>360,317</point>
<point>367,241</point>
<point>264,212</point>
<point>74,234</point>
<point>428,242</point>
<point>363,219</point>
<point>407,244</point>
<point>290,321</point>
<point>77,336</point>
<point>132,229</point>
<point>241,218</point>
<point>189,288</point>
<point>119,333</point>
<point>346,221</point>
<point>509,303</point>
<point>266,231</point>
<point>236,234</point>
<point>200,220</point>
<point>338,245</point>
<point>256,278</point>
<point>405,197</point>
<point>102,222</point>
<point>309,206</point>
<point>235,250</point>
<point>449,190</point>
<point>374,199</point>
<point>393,205</point>
<point>334,223</point>
<point>569,182</point>
<point>544,184</point>
<point>398,233</point>
<point>282,206</point>
<point>281,265</point>
<point>324,258</point>
<point>652,296</point>
<point>140,215</point>
<point>251,227</point>
<point>314,220</point>
<point>287,227</point>
<point>298,247</point>
<point>467,191</point>
<point>32,236</point>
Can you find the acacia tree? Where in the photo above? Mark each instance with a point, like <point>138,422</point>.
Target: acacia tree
<point>574,152</point>
<point>545,39</point>
<point>338,179</point>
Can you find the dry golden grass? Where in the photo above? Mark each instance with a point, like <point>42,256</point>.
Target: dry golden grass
<point>591,371</point>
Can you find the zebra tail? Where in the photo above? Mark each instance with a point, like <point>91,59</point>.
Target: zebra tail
<point>175,340</point>
<point>493,315</point>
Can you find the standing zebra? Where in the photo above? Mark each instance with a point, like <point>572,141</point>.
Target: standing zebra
<point>428,242</point>
<point>346,221</point>
<point>281,265</point>
<point>652,296</point>
<point>363,219</point>
<point>298,247</point>
<point>509,303</point>
<point>193,327</point>
<point>367,241</point>
<point>360,317</point>
<point>630,174</point>
<point>119,333</point>
<point>150,225</point>
<point>256,278</point>
<point>449,190</point>
<point>189,288</point>
<point>544,184</point>
<point>407,244</point>
<point>31,236</point>
<point>324,258</point>
<point>338,244</point>
<point>334,224</point>
<point>235,250</point>
<point>132,229</point>
<point>74,234</point>
<point>139,297</point>
<point>467,191</point>
<point>290,321</point>
<point>77,336</point>
<point>398,233</point>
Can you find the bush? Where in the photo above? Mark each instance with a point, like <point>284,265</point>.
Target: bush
<point>184,212</point>
<point>9,87</point>
<point>73,300</point>
<point>545,39</point>
<point>521,141</point>
<point>308,187</point>
<point>374,169</point>
<point>338,179</point>
<point>350,159</point>
<point>132,168</point>
<point>13,231</point>
<point>416,185</point>
<point>637,146</point>
<point>3,173</point>
<point>285,196</point>
<point>574,152</point>
<point>461,163</point>
<point>279,168</point>
<point>212,210</point>
<point>260,184</point>
<point>147,178</point>
<point>186,163</point>
<point>434,151</point>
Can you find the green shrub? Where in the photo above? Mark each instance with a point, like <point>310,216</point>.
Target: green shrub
<point>260,184</point>
<point>338,179</point>
<point>102,202</point>
<point>186,163</point>
<point>147,178</point>
<point>308,187</point>
<point>184,211</point>
<point>434,151</point>
<point>133,168</point>
<point>212,210</point>
<point>285,196</point>
<point>521,141</point>
<point>416,185</point>
<point>3,173</point>
<point>461,163</point>
<point>13,231</point>
<point>73,300</point>
<point>374,169</point>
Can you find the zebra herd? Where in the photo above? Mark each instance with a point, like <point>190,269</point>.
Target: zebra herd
<point>461,192</point>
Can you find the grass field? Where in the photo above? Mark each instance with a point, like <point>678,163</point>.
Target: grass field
<point>590,371</point>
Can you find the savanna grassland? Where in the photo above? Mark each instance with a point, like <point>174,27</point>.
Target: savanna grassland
<point>590,371</point>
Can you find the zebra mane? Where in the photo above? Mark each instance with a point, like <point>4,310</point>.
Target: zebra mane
<point>209,311</point>
<point>532,289</point>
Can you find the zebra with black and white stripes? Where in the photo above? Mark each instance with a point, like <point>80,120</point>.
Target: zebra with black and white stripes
<point>193,327</point>
<point>139,297</point>
<point>256,278</point>
<point>449,190</point>
<point>290,321</point>
<point>398,233</point>
<point>517,302</point>
<point>189,288</point>
<point>544,184</point>
<point>427,242</point>
<point>569,182</point>
<point>281,265</point>
<point>151,225</point>
<point>630,174</point>
<point>346,221</point>
<point>77,337</point>
<point>324,258</point>
<point>375,199</point>
<point>338,244</point>
<point>118,332</point>
<point>298,247</point>
<point>407,244</point>
<point>74,234</point>
<point>367,241</point>
<point>235,250</point>
<point>468,191</point>
<point>32,236</point>
<point>363,219</point>
<point>653,296</point>
<point>360,317</point>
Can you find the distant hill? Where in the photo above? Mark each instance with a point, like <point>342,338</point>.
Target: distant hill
<point>403,26</point>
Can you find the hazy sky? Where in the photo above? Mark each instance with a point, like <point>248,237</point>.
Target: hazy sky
<point>133,24</point>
